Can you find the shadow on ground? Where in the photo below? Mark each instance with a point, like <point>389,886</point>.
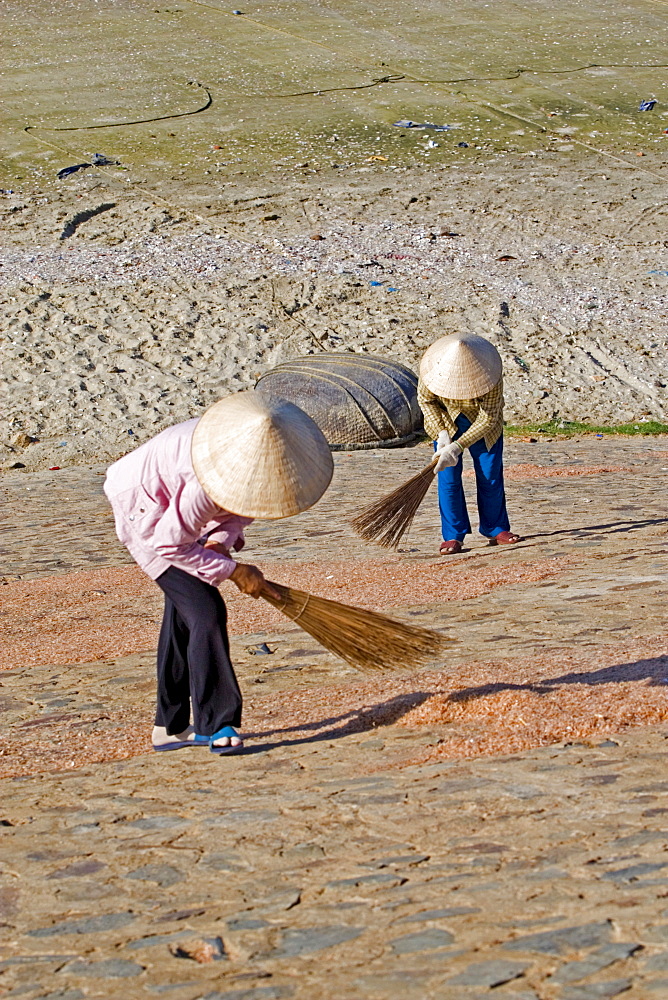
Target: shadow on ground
<point>373,717</point>
<point>654,670</point>
<point>611,528</point>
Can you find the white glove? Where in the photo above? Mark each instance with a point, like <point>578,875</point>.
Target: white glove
<point>441,441</point>
<point>447,456</point>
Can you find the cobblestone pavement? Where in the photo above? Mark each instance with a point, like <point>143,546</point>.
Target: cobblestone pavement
<point>70,507</point>
<point>316,874</point>
<point>326,865</point>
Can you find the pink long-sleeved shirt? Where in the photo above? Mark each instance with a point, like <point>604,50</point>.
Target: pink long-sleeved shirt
<point>163,515</point>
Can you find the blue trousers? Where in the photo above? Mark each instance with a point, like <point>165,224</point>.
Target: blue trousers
<point>488,465</point>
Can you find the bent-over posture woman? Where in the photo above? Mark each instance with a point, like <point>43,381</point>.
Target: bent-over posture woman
<point>460,392</point>
<point>181,503</point>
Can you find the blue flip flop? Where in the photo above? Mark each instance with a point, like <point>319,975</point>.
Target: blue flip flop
<point>228,731</point>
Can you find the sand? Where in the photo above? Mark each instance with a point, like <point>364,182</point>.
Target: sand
<point>268,206</point>
<point>137,321</point>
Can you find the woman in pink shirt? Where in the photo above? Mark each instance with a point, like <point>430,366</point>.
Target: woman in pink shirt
<point>181,503</point>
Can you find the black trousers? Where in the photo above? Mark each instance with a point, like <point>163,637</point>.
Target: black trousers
<point>194,658</point>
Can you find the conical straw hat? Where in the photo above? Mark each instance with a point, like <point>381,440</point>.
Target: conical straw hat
<point>461,366</point>
<point>260,459</point>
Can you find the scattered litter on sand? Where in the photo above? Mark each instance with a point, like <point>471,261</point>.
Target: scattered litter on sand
<point>406,123</point>
<point>261,650</point>
<point>68,171</point>
<point>100,160</point>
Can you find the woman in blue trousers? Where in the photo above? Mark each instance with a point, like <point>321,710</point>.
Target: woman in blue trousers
<point>461,396</point>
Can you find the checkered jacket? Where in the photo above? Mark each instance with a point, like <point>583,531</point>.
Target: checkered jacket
<point>485,414</point>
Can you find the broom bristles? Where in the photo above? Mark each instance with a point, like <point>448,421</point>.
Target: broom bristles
<point>387,520</point>
<point>365,639</point>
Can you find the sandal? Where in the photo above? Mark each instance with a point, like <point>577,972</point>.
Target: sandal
<point>228,733</point>
<point>451,547</point>
<point>505,538</point>
<point>162,741</point>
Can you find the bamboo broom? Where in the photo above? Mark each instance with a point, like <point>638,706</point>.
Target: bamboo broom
<point>366,640</point>
<point>387,520</point>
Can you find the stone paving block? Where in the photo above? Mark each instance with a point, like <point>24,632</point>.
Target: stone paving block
<point>83,829</point>
<point>501,994</point>
<point>381,879</point>
<point>18,961</point>
<point>60,995</point>
<point>643,837</point>
<point>411,985</point>
<point>303,853</point>
<point>85,925</point>
<point>406,860</point>
<point>255,993</point>
<point>241,817</point>
<point>523,792</point>
<point>559,942</point>
<point>169,987</point>
<point>163,875</point>
<point>656,963</point>
<point>492,973</point>
<point>246,924</point>
<point>514,995</point>
<point>78,868</point>
<point>602,958</point>
<point>427,940</point>
<point>548,875</point>
<point>448,911</point>
<point>304,940</point>
<point>151,940</point>
<point>633,872</point>
<point>157,823</point>
<point>224,861</point>
<point>109,968</point>
<point>457,786</point>
<point>281,899</point>
<point>596,991</point>
<point>79,891</point>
